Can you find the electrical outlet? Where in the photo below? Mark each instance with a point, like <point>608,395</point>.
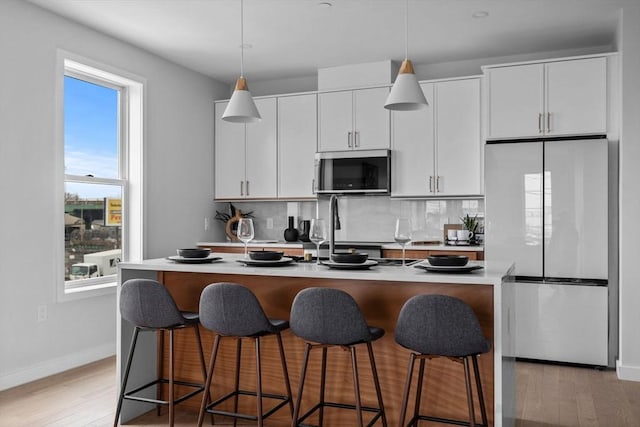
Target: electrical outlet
<point>269,223</point>
<point>42,313</point>
<point>206,223</point>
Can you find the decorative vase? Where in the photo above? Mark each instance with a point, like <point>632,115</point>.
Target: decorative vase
<point>291,234</point>
<point>304,231</point>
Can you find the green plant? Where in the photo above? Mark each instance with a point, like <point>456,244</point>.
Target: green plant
<point>470,223</point>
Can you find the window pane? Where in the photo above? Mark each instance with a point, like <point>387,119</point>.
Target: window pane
<point>92,230</point>
<point>90,129</point>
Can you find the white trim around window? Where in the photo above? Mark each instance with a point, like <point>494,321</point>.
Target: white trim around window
<point>130,160</point>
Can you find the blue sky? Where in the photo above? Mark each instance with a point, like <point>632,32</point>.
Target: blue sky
<point>90,134</point>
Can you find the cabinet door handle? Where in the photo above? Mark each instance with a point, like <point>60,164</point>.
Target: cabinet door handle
<point>247,188</point>
<point>431,184</point>
<point>313,186</point>
<point>548,122</point>
<point>539,122</point>
<point>349,137</point>
<point>242,188</point>
<point>438,184</point>
<point>356,140</point>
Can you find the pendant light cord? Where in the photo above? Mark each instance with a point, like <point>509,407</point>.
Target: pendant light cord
<point>241,38</point>
<point>406,29</point>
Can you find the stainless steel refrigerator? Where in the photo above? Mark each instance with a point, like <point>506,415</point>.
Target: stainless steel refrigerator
<point>547,210</point>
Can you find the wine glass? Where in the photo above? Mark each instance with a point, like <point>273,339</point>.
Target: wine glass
<point>245,232</point>
<point>403,234</point>
<point>318,234</point>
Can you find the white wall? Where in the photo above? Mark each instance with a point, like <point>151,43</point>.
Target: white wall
<point>178,178</point>
<point>629,357</point>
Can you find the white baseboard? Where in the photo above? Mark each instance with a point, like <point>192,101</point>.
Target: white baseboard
<point>55,366</point>
<point>626,372</point>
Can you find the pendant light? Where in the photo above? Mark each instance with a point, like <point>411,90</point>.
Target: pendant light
<point>241,108</point>
<point>406,93</point>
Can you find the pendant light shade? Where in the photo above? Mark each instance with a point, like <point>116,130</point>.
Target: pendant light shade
<point>406,93</point>
<point>241,108</point>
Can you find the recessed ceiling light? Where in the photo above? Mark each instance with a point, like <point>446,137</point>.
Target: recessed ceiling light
<point>324,4</point>
<point>480,14</point>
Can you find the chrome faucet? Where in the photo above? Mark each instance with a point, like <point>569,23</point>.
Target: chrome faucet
<point>335,223</point>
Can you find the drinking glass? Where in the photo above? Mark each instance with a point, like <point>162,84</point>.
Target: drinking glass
<point>403,234</point>
<point>245,232</point>
<point>318,234</point>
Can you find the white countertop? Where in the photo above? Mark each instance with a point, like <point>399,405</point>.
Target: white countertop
<point>299,245</point>
<point>491,274</point>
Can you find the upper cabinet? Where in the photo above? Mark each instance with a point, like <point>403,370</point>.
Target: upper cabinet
<point>353,120</point>
<point>297,141</point>
<point>560,98</point>
<point>246,155</point>
<point>437,150</point>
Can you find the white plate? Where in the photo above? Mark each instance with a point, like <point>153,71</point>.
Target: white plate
<point>350,265</point>
<point>183,260</point>
<point>448,268</point>
<point>266,263</point>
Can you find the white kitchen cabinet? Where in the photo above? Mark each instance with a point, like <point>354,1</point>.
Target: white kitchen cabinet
<point>353,120</point>
<point>559,98</point>
<point>297,141</point>
<point>246,155</point>
<point>437,150</point>
<point>413,143</point>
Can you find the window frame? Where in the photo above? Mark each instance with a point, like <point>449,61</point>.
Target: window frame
<point>130,168</point>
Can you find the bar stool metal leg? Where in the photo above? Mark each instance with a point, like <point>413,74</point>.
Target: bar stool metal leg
<point>258,383</point>
<point>296,408</point>
<point>376,382</point>
<point>419,386</point>
<point>407,389</point>
<point>323,382</point>
<point>203,364</point>
<point>126,375</point>
<point>237,378</point>
<point>212,363</point>
<point>356,385</point>
<point>171,388</point>
<point>467,380</point>
<point>476,373</point>
<point>285,371</point>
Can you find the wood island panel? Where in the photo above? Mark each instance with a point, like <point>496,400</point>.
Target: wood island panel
<point>424,253</point>
<point>380,301</point>
<point>240,250</point>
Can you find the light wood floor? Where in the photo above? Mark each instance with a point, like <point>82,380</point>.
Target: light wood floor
<point>548,395</point>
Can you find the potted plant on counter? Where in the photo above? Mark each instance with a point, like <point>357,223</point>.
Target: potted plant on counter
<point>471,224</point>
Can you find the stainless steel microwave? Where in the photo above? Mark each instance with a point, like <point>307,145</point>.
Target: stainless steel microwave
<point>343,172</point>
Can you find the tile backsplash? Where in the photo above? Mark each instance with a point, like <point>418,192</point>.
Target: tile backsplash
<point>362,218</point>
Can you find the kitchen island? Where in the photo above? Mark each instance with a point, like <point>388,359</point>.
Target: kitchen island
<point>380,291</point>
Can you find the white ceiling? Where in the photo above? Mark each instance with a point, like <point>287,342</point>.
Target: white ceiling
<point>296,37</point>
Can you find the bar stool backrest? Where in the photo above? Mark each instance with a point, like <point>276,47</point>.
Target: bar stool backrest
<point>148,304</point>
<point>440,325</point>
<point>328,316</point>
<point>232,309</point>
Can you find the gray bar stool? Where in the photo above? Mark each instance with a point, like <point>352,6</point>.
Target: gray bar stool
<point>325,318</point>
<point>233,311</point>
<point>148,305</point>
<point>441,326</point>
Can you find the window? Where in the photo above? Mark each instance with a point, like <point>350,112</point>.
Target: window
<point>101,145</point>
